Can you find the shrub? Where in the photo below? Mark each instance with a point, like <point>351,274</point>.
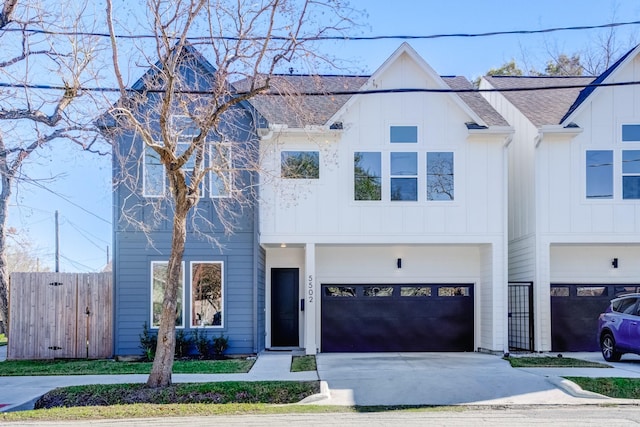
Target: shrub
<point>148,343</point>
<point>183,342</point>
<point>203,345</point>
<point>220,345</point>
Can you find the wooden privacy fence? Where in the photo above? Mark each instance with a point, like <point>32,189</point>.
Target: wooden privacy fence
<point>60,315</point>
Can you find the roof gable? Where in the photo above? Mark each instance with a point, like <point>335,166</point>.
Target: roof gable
<point>480,111</point>
<point>604,77</point>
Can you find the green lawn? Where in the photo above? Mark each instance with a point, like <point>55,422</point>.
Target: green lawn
<point>303,363</point>
<point>552,362</point>
<point>621,388</point>
<point>111,367</point>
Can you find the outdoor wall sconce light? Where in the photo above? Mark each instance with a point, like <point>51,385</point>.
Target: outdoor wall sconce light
<point>614,263</point>
<point>399,262</point>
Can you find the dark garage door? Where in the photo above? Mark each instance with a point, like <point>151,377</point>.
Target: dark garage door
<point>369,318</point>
<point>574,314</point>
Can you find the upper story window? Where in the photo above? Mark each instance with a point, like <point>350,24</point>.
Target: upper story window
<point>631,174</point>
<point>221,173</point>
<point>404,176</point>
<point>440,176</point>
<point>300,164</point>
<point>367,175</point>
<point>403,134</point>
<point>217,158</point>
<point>599,174</point>
<point>154,174</point>
<point>631,133</point>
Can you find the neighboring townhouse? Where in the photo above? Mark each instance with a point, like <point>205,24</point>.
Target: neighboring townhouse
<point>223,274</point>
<point>383,213</point>
<point>574,198</point>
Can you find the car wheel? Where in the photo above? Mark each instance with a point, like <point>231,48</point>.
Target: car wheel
<point>608,347</point>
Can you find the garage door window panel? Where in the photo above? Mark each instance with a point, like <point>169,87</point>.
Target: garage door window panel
<point>591,291</point>
<point>378,291</point>
<point>448,291</point>
<point>339,291</point>
<point>415,291</point>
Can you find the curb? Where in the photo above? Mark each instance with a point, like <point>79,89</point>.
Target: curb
<point>324,394</point>
<point>574,389</point>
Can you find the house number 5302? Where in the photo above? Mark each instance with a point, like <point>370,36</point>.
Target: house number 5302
<point>310,288</point>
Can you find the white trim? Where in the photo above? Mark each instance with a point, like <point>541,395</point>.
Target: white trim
<point>151,264</point>
<point>222,302</point>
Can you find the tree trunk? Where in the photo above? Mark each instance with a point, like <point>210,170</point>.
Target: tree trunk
<point>163,361</point>
<point>5,195</point>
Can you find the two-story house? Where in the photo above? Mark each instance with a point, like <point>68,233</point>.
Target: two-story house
<point>574,196</point>
<point>222,287</point>
<point>380,226</point>
<point>383,213</point>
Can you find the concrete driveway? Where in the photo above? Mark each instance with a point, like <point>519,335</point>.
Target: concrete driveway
<point>442,379</point>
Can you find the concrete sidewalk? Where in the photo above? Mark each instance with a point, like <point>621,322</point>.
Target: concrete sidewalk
<point>20,393</point>
<point>383,379</point>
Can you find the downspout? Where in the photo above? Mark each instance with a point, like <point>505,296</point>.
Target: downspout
<point>505,242</point>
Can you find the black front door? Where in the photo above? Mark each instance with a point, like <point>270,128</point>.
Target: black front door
<point>284,307</point>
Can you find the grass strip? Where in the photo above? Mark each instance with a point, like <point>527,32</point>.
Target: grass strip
<point>303,363</point>
<point>112,367</point>
<point>553,362</point>
<point>620,388</point>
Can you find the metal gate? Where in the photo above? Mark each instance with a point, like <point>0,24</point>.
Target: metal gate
<point>521,316</point>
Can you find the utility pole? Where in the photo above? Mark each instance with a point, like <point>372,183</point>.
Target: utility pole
<point>57,246</point>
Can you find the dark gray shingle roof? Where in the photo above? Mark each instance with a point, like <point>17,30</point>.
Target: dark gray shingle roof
<point>476,102</point>
<point>300,111</point>
<point>541,106</point>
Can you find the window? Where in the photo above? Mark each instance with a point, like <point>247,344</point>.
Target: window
<point>300,164</point>
<point>415,291</point>
<point>403,134</point>
<point>367,176</point>
<point>630,133</point>
<point>189,166</point>
<point>221,177</point>
<point>154,174</point>
<point>340,291</point>
<point>158,280</point>
<point>447,291</point>
<point>404,176</point>
<point>599,174</point>
<point>377,291</point>
<point>631,174</point>
<point>206,293</point>
<point>440,176</point>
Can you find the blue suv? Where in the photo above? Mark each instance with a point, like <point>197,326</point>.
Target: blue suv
<point>619,327</point>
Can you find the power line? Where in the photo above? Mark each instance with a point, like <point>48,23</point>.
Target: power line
<point>335,93</point>
<point>331,38</point>
<point>66,199</point>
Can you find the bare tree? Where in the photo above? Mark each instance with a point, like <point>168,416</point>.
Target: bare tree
<point>35,114</point>
<point>181,118</point>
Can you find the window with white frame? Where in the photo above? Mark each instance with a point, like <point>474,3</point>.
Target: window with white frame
<point>403,134</point>
<point>631,174</point>
<point>207,294</point>
<point>403,176</point>
<point>154,174</point>
<point>158,281</point>
<point>599,174</point>
<point>631,133</point>
<point>367,175</point>
<point>217,158</point>
<point>300,164</point>
<point>440,176</point>
<point>221,178</point>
